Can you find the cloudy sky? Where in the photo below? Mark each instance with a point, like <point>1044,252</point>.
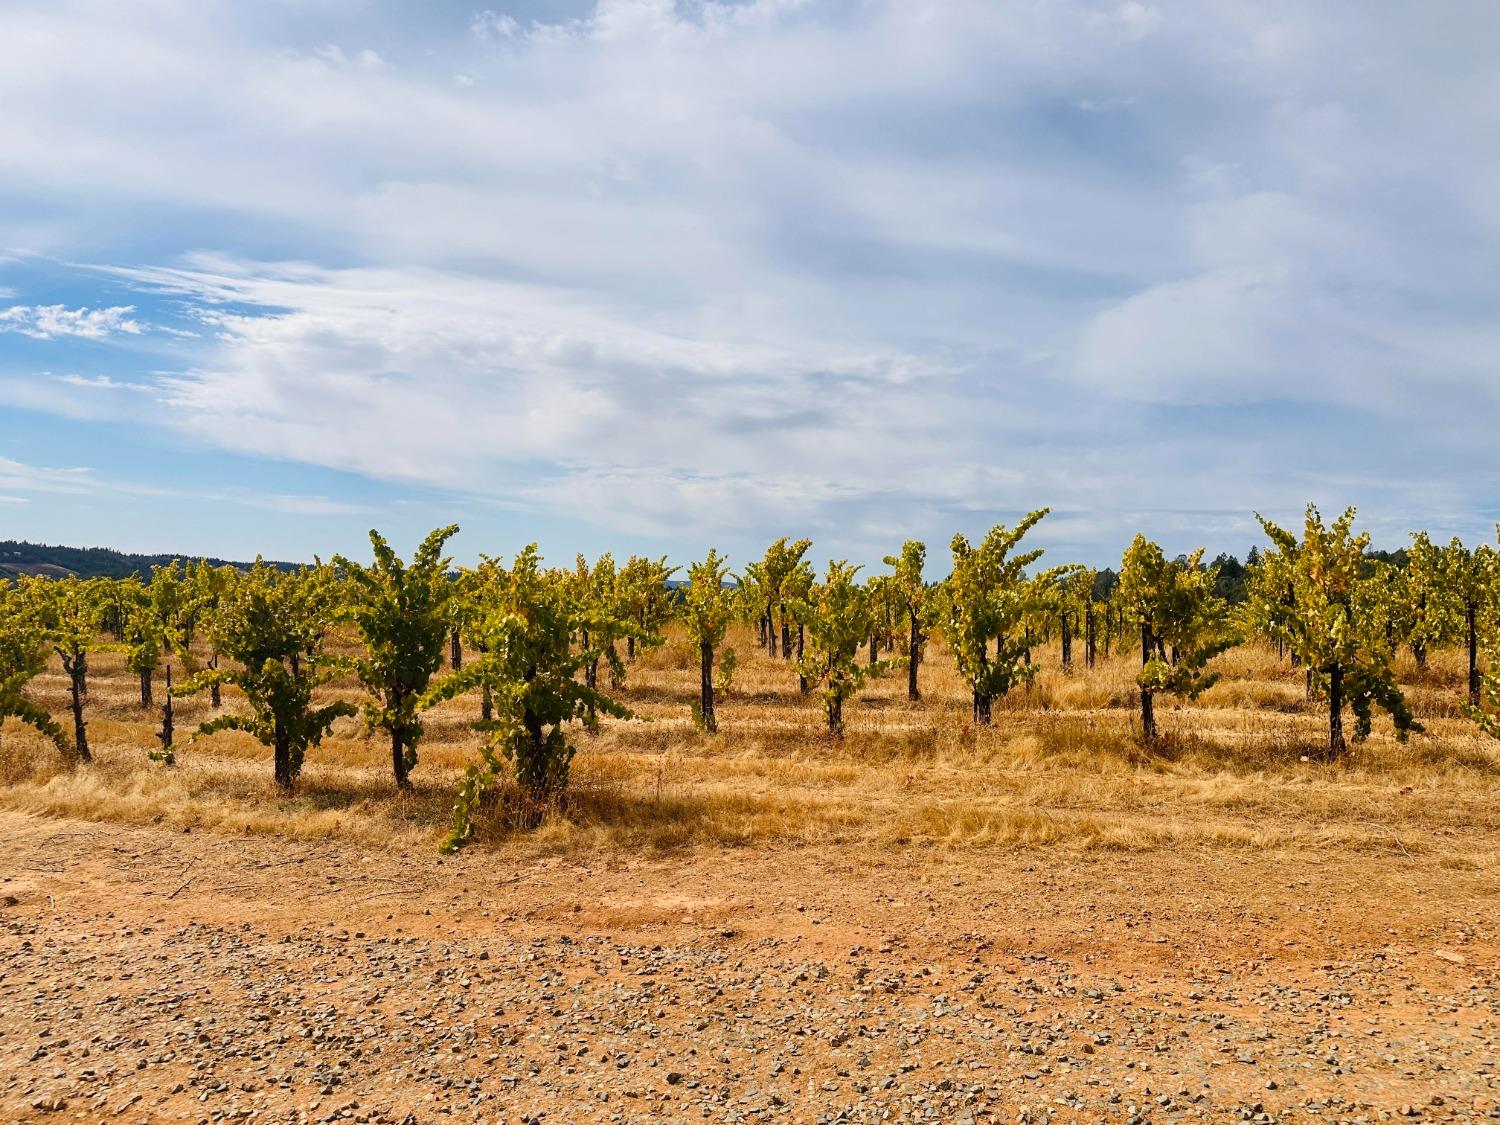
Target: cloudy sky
<point>648,276</point>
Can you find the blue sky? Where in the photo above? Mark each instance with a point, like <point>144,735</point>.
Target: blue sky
<point>650,276</point>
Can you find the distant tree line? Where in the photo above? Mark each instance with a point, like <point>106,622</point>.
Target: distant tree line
<point>19,557</point>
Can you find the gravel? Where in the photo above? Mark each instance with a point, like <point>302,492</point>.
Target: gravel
<point>117,1004</point>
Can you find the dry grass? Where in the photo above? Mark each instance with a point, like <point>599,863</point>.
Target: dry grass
<point>1061,767</point>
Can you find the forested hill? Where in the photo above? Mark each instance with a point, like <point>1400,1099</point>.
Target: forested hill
<point>104,562</point>
<point>89,562</point>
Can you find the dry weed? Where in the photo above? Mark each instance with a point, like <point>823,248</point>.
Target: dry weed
<point>1062,767</point>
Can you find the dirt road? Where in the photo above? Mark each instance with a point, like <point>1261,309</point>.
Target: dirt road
<point>150,975</point>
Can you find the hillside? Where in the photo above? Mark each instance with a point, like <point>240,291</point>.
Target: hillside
<point>19,557</point>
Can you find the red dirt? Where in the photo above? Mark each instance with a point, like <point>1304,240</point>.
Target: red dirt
<point>151,975</point>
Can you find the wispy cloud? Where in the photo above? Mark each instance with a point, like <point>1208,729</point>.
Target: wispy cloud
<point>1143,261</point>
<point>300,505</point>
<point>102,383</point>
<point>490,26</point>
<point>21,477</point>
<point>47,322</point>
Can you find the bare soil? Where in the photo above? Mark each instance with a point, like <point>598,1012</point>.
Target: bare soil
<point>150,974</point>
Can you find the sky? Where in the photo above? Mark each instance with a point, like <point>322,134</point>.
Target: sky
<point>646,276</point>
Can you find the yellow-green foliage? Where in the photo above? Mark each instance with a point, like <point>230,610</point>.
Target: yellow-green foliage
<point>272,626</point>
<point>1182,623</point>
<point>990,598</point>
<point>402,614</point>
<point>1307,597</point>
<point>838,616</point>
<point>708,608</point>
<point>23,635</point>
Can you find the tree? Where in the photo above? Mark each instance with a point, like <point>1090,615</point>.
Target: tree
<point>602,615</point>
<point>645,599</point>
<point>1430,614</point>
<point>403,616</point>
<point>1068,614</point>
<point>23,637</point>
<point>776,577</point>
<point>1470,577</point>
<point>838,618</point>
<point>118,599</point>
<point>142,634</point>
<point>755,601</point>
<point>1103,613</point>
<point>1181,620</point>
<point>909,592</point>
<point>1381,601</point>
<point>210,585</point>
<point>882,614</point>
<point>1041,612</point>
<point>708,607</point>
<point>989,597</point>
<point>73,611</point>
<point>455,641</point>
<point>1486,713</point>
<point>272,625</point>
<point>796,588</point>
<point>159,623</point>
<point>1088,609</point>
<point>1231,578</point>
<point>469,586</point>
<point>1321,621</point>
<point>527,619</point>
<point>1075,614</point>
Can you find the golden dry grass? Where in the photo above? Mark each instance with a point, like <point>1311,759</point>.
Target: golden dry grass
<point>1061,767</point>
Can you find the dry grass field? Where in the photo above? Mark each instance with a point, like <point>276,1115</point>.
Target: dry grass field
<point>919,922</point>
<point>1060,768</point>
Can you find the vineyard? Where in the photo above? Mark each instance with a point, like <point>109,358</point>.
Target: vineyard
<point>397,842</point>
<point>1010,702</point>
<point>748,562</point>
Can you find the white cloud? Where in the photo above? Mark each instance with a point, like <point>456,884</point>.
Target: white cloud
<point>363,59</point>
<point>668,264</point>
<point>47,322</point>
<point>521,392</point>
<point>488,26</point>
<point>299,505</point>
<point>1130,20</point>
<point>19,476</point>
<point>102,383</point>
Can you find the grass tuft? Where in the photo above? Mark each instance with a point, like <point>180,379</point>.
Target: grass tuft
<point>1062,767</point>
